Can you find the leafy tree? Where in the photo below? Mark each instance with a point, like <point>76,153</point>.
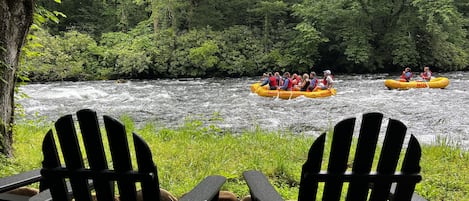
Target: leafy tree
<point>67,57</point>
<point>123,55</point>
<point>95,17</point>
<point>447,37</point>
<point>241,53</point>
<point>270,11</point>
<point>204,57</point>
<point>166,13</point>
<point>366,35</point>
<point>181,63</point>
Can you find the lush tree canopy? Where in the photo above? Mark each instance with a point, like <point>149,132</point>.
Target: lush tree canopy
<point>203,38</point>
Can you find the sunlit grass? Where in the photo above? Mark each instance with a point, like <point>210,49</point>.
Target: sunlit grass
<point>185,155</point>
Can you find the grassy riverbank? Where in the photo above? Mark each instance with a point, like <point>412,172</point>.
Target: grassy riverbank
<point>186,155</point>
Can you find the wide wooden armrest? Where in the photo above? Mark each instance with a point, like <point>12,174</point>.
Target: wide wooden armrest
<point>415,196</point>
<point>260,188</point>
<point>42,196</point>
<point>19,180</point>
<point>13,197</point>
<point>208,189</point>
<point>46,196</point>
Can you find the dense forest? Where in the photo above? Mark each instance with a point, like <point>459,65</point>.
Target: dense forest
<point>135,39</point>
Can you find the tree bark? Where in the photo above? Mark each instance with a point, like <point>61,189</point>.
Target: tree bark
<point>16,16</point>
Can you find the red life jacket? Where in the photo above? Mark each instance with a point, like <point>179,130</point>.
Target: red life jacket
<point>403,77</point>
<point>290,84</point>
<point>324,81</point>
<point>273,81</point>
<point>427,75</point>
<point>314,82</point>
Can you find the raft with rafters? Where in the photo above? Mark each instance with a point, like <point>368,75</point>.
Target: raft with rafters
<point>265,92</point>
<point>438,82</point>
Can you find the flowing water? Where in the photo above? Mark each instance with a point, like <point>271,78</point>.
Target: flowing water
<point>229,104</point>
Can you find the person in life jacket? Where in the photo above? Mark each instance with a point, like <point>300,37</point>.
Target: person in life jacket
<point>304,82</point>
<point>427,74</point>
<point>295,79</point>
<point>327,81</point>
<point>287,82</point>
<point>313,82</point>
<point>406,75</point>
<point>278,78</point>
<point>272,81</point>
<point>264,79</point>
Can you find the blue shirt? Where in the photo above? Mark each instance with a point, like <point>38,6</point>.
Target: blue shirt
<point>285,84</point>
<point>407,74</point>
<point>266,81</point>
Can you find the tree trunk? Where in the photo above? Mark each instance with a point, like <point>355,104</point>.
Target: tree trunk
<point>16,16</point>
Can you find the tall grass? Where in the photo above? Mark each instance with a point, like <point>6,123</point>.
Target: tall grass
<point>185,155</point>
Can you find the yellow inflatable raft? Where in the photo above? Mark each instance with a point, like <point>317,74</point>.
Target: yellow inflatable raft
<point>264,91</point>
<point>438,82</point>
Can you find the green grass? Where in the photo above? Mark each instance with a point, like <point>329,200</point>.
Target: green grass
<point>184,156</point>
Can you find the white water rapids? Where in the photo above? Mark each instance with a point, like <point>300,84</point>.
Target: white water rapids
<point>428,113</point>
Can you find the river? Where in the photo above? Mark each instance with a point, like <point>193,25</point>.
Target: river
<point>229,104</point>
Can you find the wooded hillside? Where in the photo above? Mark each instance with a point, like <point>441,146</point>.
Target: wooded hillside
<point>230,38</point>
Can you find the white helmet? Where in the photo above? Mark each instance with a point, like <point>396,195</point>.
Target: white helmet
<point>327,72</point>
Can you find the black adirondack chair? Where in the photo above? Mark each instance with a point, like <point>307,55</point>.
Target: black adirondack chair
<point>384,183</point>
<point>78,177</point>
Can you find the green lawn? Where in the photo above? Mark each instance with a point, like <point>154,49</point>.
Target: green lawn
<point>186,155</point>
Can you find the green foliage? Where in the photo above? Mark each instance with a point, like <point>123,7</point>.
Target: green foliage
<point>95,17</point>
<point>204,56</point>
<point>448,38</point>
<point>241,52</point>
<point>376,34</point>
<point>141,39</point>
<point>67,57</point>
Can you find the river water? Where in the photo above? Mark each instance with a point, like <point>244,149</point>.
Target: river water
<point>229,104</point>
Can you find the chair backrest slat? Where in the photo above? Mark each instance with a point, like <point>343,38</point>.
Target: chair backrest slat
<point>93,142</point>
<point>364,154</point>
<point>340,150</point>
<point>410,165</point>
<point>389,157</point>
<point>73,158</point>
<point>150,187</point>
<point>51,160</point>
<point>309,186</point>
<point>120,152</point>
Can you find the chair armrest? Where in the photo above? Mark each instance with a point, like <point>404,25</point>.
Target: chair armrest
<point>13,197</point>
<point>42,196</point>
<point>46,196</point>
<point>208,189</point>
<point>19,180</point>
<point>260,188</point>
<point>415,196</point>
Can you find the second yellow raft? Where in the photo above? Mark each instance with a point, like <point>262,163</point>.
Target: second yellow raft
<point>438,82</point>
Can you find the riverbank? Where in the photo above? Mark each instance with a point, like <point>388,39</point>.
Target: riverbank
<point>186,155</point>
